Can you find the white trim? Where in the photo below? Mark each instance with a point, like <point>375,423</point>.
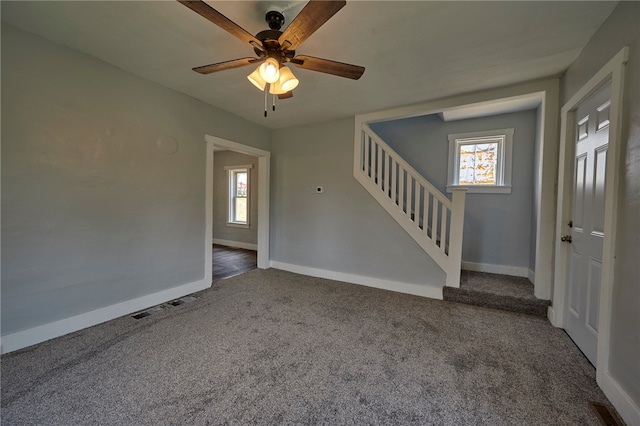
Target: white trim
<point>238,225</point>
<point>504,139</point>
<point>546,93</point>
<point>433,292</point>
<point>32,336</point>
<point>531,275</point>
<point>481,189</point>
<point>237,244</point>
<point>208,212</point>
<point>621,400</point>
<point>565,176</point>
<point>614,72</point>
<point>264,177</point>
<point>231,195</point>
<point>515,271</point>
<point>242,166</point>
<point>528,91</point>
<point>551,316</point>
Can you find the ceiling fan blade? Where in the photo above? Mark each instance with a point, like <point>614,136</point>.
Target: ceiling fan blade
<point>226,65</point>
<point>312,17</point>
<point>286,95</point>
<point>329,67</point>
<point>206,11</point>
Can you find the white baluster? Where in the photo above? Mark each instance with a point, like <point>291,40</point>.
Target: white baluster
<point>374,163</point>
<point>425,213</point>
<point>393,180</point>
<point>401,188</point>
<point>416,208</point>
<point>409,194</point>
<point>443,228</point>
<point>367,144</point>
<point>379,151</point>
<point>434,221</point>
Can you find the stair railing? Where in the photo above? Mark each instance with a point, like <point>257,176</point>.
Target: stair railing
<point>426,214</point>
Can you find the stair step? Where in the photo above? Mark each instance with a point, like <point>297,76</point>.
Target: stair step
<point>496,291</point>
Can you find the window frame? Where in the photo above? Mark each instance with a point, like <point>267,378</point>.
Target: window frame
<point>504,138</point>
<point>232,172</point>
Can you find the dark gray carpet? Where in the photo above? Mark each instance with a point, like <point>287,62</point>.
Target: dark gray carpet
<point>271,347</point>
<point>496,291</point>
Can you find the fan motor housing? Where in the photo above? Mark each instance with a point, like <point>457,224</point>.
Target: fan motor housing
<point>269,39</point>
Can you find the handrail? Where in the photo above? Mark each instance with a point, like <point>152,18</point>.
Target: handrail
<point>406,166</point>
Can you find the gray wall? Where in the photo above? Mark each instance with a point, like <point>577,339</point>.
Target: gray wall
<point>497,227</point>
<point>343,229</point>
<point>220,198</point>
<point>620,29</point>
<point>103,182</point>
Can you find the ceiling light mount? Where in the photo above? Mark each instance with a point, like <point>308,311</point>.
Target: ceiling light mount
<point>274,19</point>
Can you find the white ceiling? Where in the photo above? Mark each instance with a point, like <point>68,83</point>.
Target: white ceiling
<point>413,51</point>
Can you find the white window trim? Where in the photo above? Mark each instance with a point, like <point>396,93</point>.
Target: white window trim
<point>230,170</point>
<point>505,154</point>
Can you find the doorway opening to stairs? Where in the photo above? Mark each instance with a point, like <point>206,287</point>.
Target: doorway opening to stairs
<point>401,155</point>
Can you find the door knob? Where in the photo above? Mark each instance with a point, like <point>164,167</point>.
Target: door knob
<point>566,238</point>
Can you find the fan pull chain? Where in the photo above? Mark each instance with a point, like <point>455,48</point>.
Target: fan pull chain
<point>274,103</point>
<point>266,90</point>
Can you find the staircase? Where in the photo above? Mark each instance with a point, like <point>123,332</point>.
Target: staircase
<point>426,214</point>
<point>436,224</point>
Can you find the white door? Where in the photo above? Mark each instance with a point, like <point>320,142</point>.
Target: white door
<point>585,263</point>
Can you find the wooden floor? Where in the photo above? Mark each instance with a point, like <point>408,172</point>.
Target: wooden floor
<point>230,261</point>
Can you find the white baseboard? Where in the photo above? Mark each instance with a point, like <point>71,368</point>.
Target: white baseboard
<point>551,316</point>
<point>434,292</point>
<point>32,336</point>
<point>626,407</point>
<point>516,271</point>
<point>236,244</point>
<point>532,276</point>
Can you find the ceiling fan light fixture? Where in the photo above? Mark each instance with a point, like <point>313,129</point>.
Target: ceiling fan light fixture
<point>256,79</point>
<point>274,47</point>
<point>287,80</point>
<point>276,88</point>
<point>270,70</point>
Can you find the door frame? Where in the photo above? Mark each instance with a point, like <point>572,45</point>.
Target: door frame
<point>613,71</point>
<point>264,177</point>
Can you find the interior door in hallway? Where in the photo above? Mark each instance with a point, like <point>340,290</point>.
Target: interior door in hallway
<point>585,263</point>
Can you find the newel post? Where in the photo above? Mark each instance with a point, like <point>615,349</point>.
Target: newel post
<point>455,236</point>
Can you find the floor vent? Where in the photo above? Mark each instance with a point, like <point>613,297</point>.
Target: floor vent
<point>182,300</point>
<point>148,312</point>
<point>605,414</point>
<point>159,308</point>
<point>141,315</point>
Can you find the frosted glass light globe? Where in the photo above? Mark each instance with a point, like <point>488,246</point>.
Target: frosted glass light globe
<point>270,71</point>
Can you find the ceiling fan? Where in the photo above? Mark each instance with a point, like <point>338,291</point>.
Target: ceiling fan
<point>275,48</point>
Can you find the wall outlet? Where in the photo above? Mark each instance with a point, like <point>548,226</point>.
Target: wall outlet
<point>319,189</point>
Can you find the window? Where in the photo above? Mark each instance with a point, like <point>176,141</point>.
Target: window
<point>481,161</point>
<point>239,195</point>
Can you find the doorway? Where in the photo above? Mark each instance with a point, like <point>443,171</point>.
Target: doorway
<point>585,240</point>
<point>611,75</point>
<point>264,161</point>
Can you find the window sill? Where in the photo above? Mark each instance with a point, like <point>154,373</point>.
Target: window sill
<point>238,225</point>
<point>482,189</point>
